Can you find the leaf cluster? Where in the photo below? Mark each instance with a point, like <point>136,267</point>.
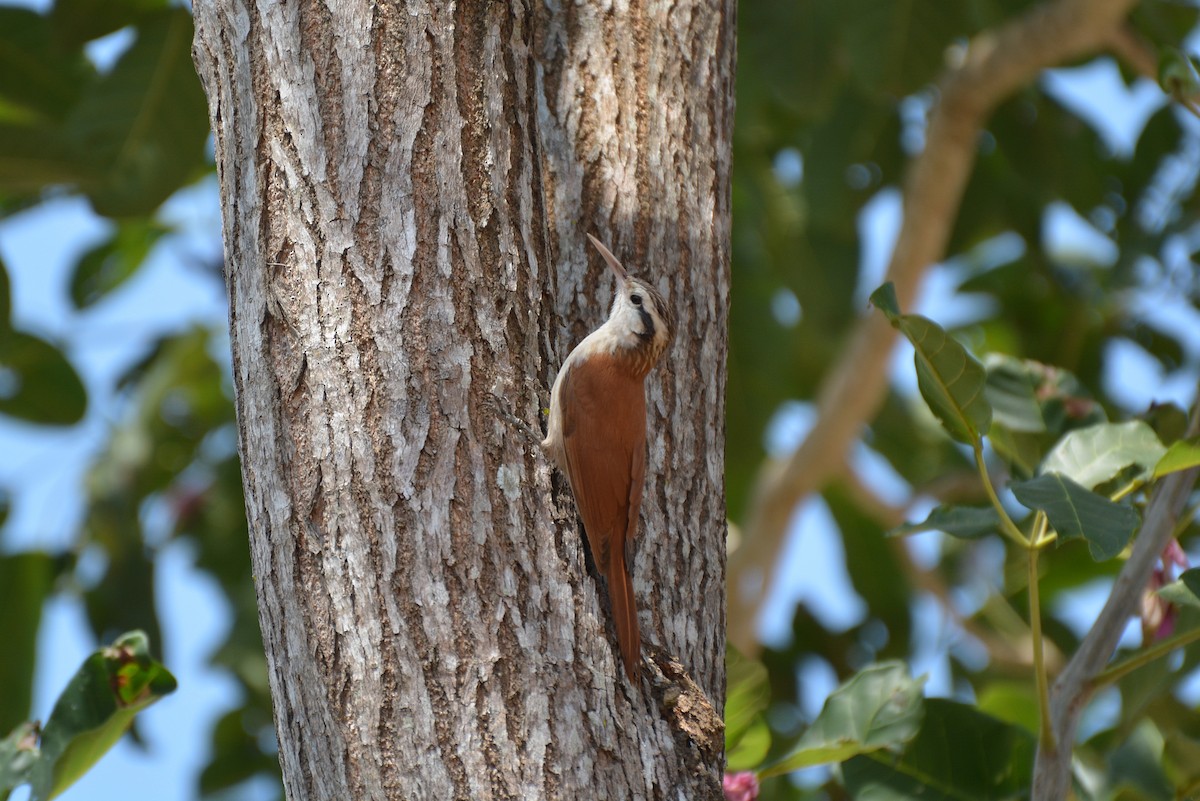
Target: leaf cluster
<point>126,131</point>
<point>833,102</point>
<point>96,707</point>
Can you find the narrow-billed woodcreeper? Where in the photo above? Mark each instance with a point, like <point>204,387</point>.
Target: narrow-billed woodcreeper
<point>597,435</point>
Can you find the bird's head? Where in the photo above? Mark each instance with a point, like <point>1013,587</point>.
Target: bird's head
<point>640,319</point>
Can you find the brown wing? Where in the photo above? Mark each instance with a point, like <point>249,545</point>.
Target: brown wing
<point>604,440</point>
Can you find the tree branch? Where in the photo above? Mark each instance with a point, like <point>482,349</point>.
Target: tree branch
<point>1074,687</point>
<point>1134,51</point>
<point>995,65</point>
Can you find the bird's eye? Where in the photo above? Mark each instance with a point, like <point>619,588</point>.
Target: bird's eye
<point>636,300</point>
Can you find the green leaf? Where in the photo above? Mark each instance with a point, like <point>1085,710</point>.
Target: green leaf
<point>1178,75</point>
<point>109,264</point>
<point>237,754</point>
<point>1137,766</point>
<point>748,693</point>
<point>896,48</point>
<point>5,296</point>
<point>1031,403</point>
<point>1074,512</point>
<point>1013,702</point>
<point>35,74</point>
<point>96,708</point>
<point>751,748</point>
<point>951,379</point>
<point>1096,454</point>
<point>34,156</point>
<point>964,522</point>
<point>79,21</point>
<point>884,298</point>
<point>1185,591</point>
<point>1183,752</point>
<point>747,735</point>
<point>960,754</point>
<point>26,579</point>
<point>37,383</point>
<point>18,753</point>
<point>144,124</point>
<point>1011,390</point>
<point>1182,455</point>
<point>879,707</point>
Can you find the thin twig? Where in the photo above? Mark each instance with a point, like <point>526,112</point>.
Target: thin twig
<point>1036,541</point>
<point>1143,657</point>
<point>1077,682</point>
<point>1007,526</point>
<point>1004,644</point>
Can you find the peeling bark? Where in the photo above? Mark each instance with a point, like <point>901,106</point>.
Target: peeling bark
<point>405,190</point>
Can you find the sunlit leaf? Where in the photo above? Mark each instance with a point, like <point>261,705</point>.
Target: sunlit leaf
<point>950,379</point>
<point>1096,454</point>
<point>880,707</point>
<point>1182,455</point>
<point>964,522</point>
<point>752,747</point>
<point>1012,702</point>
<point>1074,511</point>
<point>96,708</point>
<point>1185,590</point>
<point>960,754</point>
<point>747,694</point>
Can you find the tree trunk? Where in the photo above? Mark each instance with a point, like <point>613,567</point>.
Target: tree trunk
<point>406,189</point>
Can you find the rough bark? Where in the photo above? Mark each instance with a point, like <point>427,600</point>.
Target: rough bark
<point>406,188</point>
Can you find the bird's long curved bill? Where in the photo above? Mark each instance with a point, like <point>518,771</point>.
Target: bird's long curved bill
<point>610,258</point>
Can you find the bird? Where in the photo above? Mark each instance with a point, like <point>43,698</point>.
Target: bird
<point>596,435</point>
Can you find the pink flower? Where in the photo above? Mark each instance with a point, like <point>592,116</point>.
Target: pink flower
<point>1174,555</point>
<point>740,786</point>
<point>1158,616</point>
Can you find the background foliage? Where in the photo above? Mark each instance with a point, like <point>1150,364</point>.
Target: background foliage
<point>831,100</point>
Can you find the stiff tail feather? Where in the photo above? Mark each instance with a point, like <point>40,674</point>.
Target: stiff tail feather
<point>624,610</point>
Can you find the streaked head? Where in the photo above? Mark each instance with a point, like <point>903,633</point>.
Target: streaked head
<point>639,310</point>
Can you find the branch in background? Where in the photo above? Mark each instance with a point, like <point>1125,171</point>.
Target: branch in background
<point>1009,653</point>
<point>1134,51</point>
<point>995,65</point>
<point>1074,687</point>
